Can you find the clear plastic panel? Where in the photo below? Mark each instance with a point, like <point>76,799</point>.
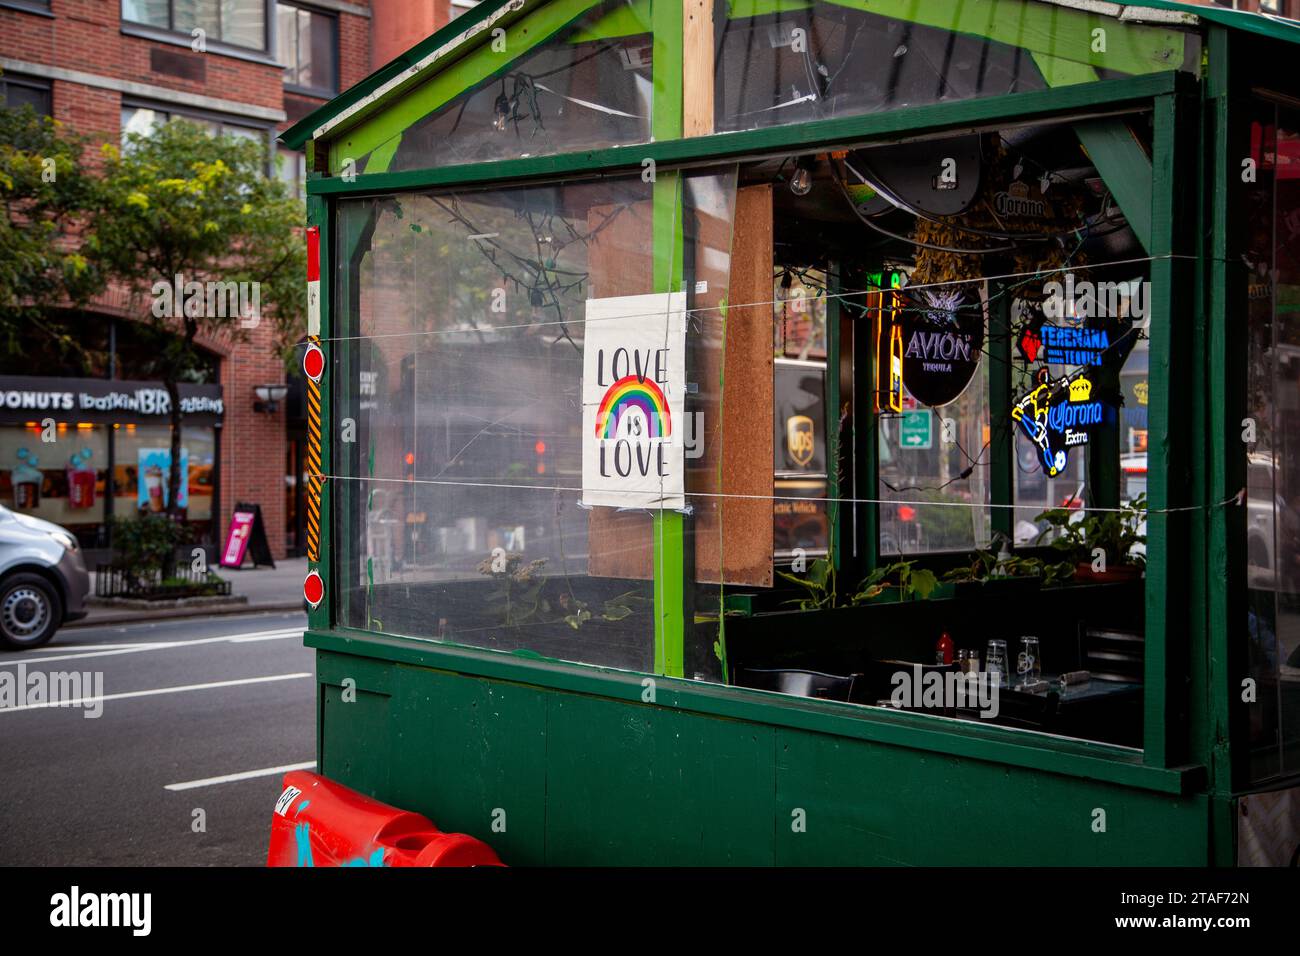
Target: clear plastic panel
<point>587,87</point>
<point>460,478</point>
<point>1272,545</point>
<point>784,61</point>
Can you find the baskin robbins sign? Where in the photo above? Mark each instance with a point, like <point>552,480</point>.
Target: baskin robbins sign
<point>633,402</point>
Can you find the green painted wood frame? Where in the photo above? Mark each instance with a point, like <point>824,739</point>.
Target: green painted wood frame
<point>1066,756</point>
<point>1111,96</point>
<point>1220,716</point>
<point>1217,716</point>
<point>1154,770</point>
<point>1175,155</point>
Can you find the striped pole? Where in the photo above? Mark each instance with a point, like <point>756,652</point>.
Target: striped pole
<point>314,366</point>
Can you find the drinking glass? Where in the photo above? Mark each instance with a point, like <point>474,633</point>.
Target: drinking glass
<point>995,663</point>
<point>1029,664</point>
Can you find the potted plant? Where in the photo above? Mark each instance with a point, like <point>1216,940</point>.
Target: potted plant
<point>1108,546</point>
<point>899,581</point>
<point>1003,571</point>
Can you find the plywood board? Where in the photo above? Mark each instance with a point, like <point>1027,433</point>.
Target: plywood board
<point>733,533</point>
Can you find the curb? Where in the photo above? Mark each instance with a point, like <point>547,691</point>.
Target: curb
<point>163,614</point>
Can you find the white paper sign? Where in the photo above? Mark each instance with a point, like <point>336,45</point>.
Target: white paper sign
<point>634,401</point>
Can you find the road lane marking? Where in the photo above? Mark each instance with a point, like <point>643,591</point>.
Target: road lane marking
<point>50,648</point>
<point>245,775</point>
<point>161,646</point>
<point>81,701</point>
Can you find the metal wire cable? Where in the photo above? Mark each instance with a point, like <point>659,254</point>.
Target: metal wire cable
<point>1238,498</point>
<point>849,294</point>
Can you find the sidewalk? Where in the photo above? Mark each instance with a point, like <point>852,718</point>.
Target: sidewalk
<point>264,589</point>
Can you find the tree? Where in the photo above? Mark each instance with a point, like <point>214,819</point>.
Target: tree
<point>47,260</point>
<point>206,242</point>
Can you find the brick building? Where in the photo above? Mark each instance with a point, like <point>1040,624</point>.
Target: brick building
<point>105,67</point>
<point>1278,8</point>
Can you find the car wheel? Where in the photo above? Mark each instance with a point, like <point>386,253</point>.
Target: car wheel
<point>30,611</point>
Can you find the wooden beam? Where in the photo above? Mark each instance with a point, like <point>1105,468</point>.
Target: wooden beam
<point>697,67</point>
<point>1125,167</point>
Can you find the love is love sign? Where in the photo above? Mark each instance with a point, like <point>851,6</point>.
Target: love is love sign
<point>634,401</point>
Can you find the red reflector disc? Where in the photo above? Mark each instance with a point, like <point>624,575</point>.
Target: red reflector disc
<point>313,589</point>
<point>313,363</point>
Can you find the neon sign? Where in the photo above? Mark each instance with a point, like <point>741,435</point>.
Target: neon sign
<point>932,347</point>
<point>1056,416</point>
<point>1065,345</point>
<point>889,360</point>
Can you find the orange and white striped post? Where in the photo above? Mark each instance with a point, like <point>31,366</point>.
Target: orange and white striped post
<point>313,365</point>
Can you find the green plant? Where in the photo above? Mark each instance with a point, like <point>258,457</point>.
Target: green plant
<point>518,593</point>
<point>1113,533</point>
<point>911,581</point>
<point>820,585</point>
<point>985,566</point>
<point>146,544</point>
<point>521,596</point>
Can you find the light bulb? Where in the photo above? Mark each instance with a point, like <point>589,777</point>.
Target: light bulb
<point>801,182</point>
<point>502,111</point>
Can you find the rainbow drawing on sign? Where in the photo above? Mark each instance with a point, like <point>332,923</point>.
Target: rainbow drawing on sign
<point>628,393</point>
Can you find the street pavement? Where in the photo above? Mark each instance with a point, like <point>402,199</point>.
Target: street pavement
<point>186,705</point>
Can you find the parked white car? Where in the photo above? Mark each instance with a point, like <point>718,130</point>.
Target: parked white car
<point>43,580</point>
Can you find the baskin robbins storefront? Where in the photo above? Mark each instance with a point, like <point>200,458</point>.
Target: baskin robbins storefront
<point>77,451</point>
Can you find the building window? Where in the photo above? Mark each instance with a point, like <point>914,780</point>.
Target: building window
<point>308,48</point>
<point>292,170</point>
<point>35,6</point>
<point>461,6</point>
<point>143,120</point>
<point>236,22</point>
<point>19,91</point>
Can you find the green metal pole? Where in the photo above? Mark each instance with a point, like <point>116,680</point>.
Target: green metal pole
<point>672,590</point>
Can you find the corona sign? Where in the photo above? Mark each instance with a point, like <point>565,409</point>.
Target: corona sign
<point>1057,416</point>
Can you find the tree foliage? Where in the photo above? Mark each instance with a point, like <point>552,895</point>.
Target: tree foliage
<point>181,202</point>
<point>47,196</point>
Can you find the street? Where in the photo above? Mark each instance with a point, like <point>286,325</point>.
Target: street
<point>187,705</point>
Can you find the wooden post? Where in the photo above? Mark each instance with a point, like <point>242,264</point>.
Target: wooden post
<point>697,67</point>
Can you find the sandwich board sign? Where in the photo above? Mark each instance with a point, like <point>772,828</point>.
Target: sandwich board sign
<point>246,538</point>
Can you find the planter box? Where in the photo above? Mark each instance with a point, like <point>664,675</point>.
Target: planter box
<point>115,581</point>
